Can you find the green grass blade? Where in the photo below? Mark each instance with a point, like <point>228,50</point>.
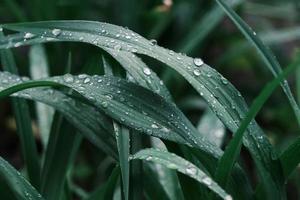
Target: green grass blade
<point>123,141</point>
<point>63,142</point>
<point>290,158</point>
<point>106,191</point>
<point>99,132</point>
<point>264,52</point>
<point>175,162</point>
<point>17,183</point>
<point>39,69</point>
<point>203,27</point>
<point>220,95</point>
<point>232,151</point>
<point>107,68</point>
<point>24,128</point>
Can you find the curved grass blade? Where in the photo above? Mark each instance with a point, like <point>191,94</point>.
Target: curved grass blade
<point>264,52</point>
<point>96,128</point>
<point>123,142</point>
<point>17,183</point>
<point>24,129</point>
<point>173,161</point>
<point>220,95</point>
<point>148,113</point>
<point>232,151</point>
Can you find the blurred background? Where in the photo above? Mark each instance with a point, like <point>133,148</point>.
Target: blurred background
<point>198,28</point>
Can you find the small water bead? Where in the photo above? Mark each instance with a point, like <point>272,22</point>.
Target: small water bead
<point>153,42</point>
<point>228,197</point>
<point>117,47</point>
<point>18,44</point>
<point>104,104</point>
<point>81,38</point>
<point>1,29</point>
<point>149,158</point>
<point>172,166</point>
<point>56,32</point>
<point>198,62</point>
<point>207,180</point>
<point>196,72</point>
<point>68,78</point>
<point>28,35</point>
<point>147,71</point>
<point>154,126</point>
<point>191,171</point>
<point>87,80</point>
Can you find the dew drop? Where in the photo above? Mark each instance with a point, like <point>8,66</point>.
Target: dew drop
<point>104,104</point>
<point>147,71</point>
<point>87,80</point>
<point>117,47</point>
<point>196,72</point>
<point>68,78</point>
<point>149,158</point>
<point>207,181</point>
<point>191,171</point>
<point>1,29</point>
<point>153,42</point>
<point>56,32</point>
<point>198,62</point>
<point>18,44</point>
<point>228,197</point>
<point>28,35</point>
<point>172,166</point>
<point>154,126</point>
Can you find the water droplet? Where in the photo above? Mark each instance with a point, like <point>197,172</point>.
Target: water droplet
<point>68,78</point>
<point>154,126</point>
<point>28,35</point>
<point>104,104</point>
<point>1,29</point>
<point>81,38</point>
<point>147,71</point>
<point>198,62</point>
<point>153,42</point>
<point>172,166</point>
<point>87,80</point>
<point>56,32</point>
<point>117,47</point>
<point>149,158</point>
<point>191,171</point>
<point>228,197</point>
<point>18,44</point>
<point>207,180</point>
<point>197,72</point>
<point>224,81</point>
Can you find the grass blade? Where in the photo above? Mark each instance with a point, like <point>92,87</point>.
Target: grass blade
<point>63,142</point>
<point>17,183</point>
<point>232,151</point>
<point>24,128</point>
<point>173,161</point>
<point>123,140</point>
<point>202,28</point>
<point>264,52</point>
<point>220,95</point>
<point>39,69</point>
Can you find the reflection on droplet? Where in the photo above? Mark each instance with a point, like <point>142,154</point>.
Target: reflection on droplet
<point>197,72</point>
<point>56,32</point>
<point>147,71</point>
<point>198,62</point>
<point>28,35</point>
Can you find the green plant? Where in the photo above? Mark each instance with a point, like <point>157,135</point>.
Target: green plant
<point>115,112</point>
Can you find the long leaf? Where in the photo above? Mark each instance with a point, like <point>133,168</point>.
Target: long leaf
<point>20,187</point>
<point>233,149</point>
<point>220,95</point>
<point>173,161</point>
<point>24,128</point>
<point>264,51</point>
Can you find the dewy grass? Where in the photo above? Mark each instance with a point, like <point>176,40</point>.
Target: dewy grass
<point>110,109</point>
